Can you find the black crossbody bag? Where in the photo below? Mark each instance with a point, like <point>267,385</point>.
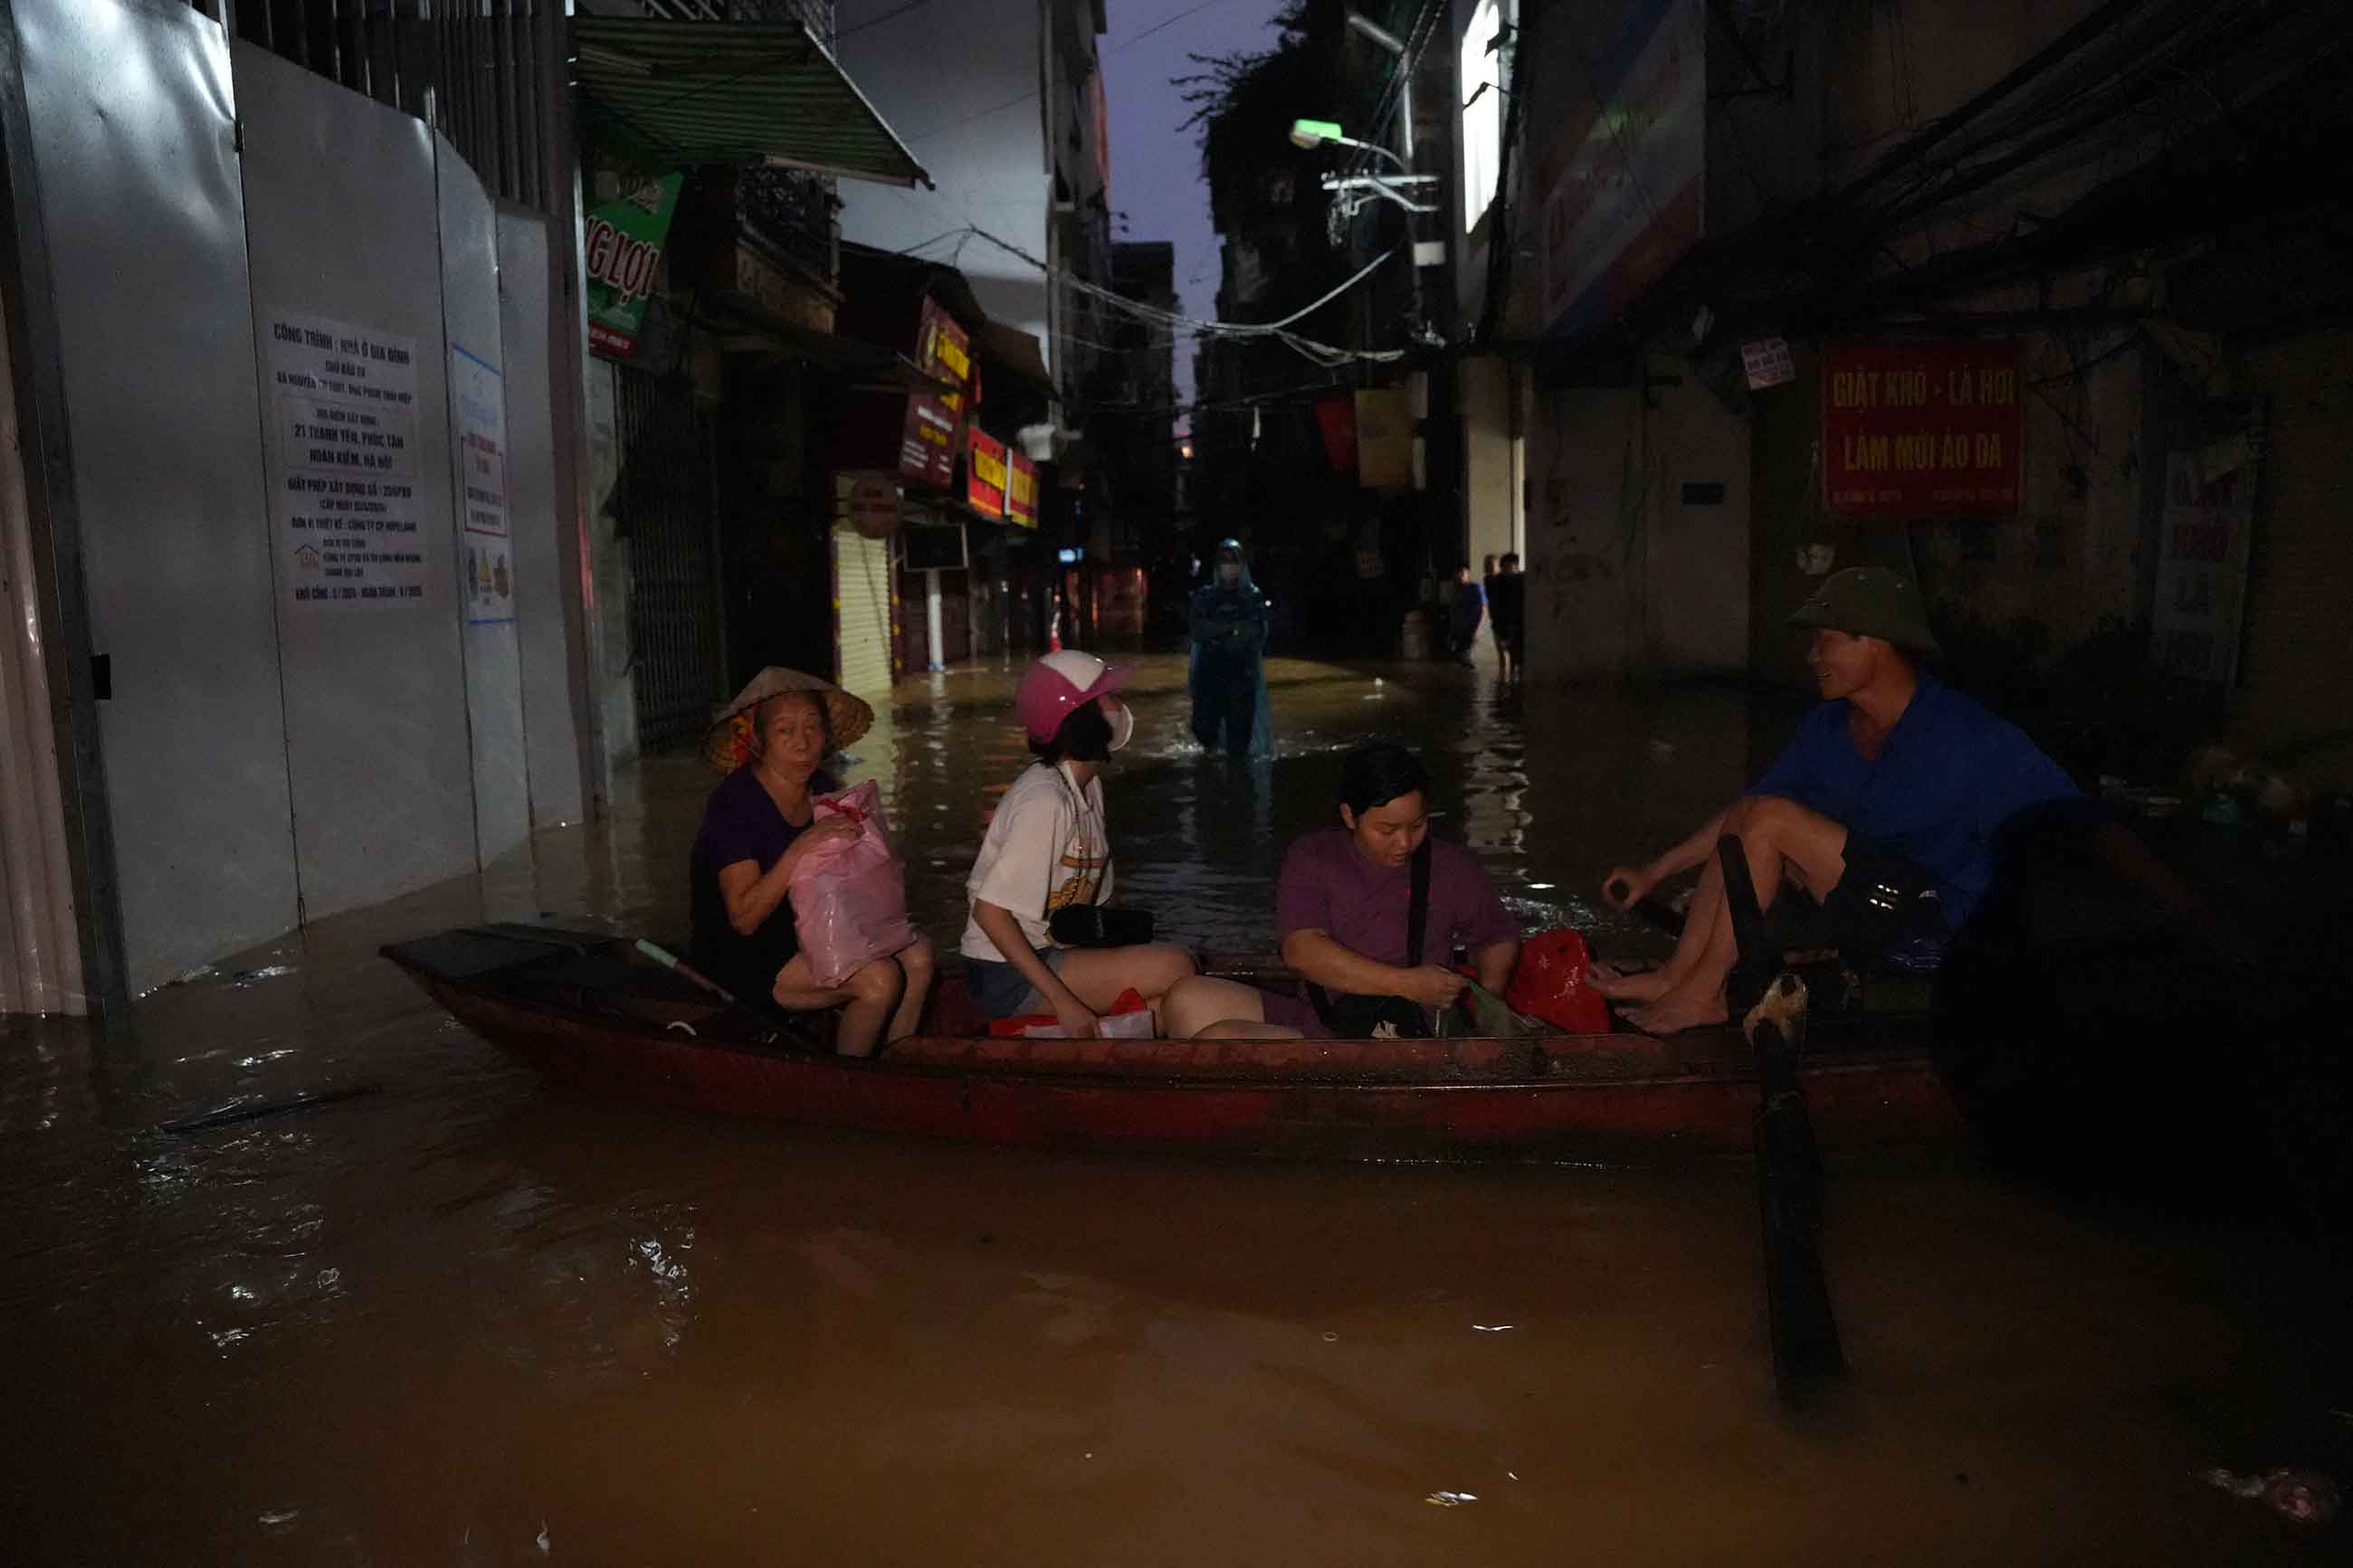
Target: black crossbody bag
<point>1091,924</point>
<point>1354,1017</point>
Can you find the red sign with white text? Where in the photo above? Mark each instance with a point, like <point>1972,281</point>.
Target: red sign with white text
<point>1922,429</point>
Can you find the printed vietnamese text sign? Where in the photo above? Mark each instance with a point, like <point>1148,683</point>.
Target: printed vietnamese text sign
<point>1922,429</point>
<point>928,441</point>
<point>985,479</point>
<point>622,252</point>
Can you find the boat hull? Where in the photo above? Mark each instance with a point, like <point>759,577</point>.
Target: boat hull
<point>1600,1099</point>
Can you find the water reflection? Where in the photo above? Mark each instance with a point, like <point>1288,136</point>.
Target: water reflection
<point>436,1321</point>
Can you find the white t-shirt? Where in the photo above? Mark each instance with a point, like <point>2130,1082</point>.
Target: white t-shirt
<point>1045,849</point>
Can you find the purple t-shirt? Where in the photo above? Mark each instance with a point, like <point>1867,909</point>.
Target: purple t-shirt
<point>742,823</point>
<point>1327,886</point>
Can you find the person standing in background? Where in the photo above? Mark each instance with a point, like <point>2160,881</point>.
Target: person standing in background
<point>1506,612</point>
<point>1226,676</point>
<point>1469,608</point>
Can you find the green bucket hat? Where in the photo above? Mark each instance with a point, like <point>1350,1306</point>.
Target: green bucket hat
<point>1870,602</point>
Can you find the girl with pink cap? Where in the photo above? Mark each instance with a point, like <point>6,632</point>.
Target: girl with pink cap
<point>1047,850</point>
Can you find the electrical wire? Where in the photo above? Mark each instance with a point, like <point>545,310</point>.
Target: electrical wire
<point>1321,353</point>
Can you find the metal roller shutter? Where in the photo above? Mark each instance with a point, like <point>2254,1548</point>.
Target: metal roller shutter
<point>2300,584</point>
<point>862,596</point>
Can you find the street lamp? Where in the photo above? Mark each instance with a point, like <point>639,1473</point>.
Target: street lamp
<point>1310,134</point>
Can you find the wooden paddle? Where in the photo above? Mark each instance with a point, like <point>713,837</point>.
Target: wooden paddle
<point>763,1010</point>
<point>1770,1003</point>
<point>1649,907</point>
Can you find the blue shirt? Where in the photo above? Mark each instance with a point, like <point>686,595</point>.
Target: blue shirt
<point>1469,608</point>
<point>1946,779</point>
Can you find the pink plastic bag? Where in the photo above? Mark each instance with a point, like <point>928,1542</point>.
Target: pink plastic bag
<point>850,900</point>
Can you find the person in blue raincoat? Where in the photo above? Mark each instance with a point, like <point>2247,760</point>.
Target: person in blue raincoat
<point>1227,679</point>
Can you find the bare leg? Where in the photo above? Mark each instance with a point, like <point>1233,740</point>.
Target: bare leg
<point>1780,838</point>
<point>1707,912</point>
<point>916,962</point>
<point>1096,975</point>
<point>1201,1008</point>
<point>865,1001</point>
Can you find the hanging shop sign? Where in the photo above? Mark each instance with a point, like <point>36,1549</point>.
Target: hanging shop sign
<point>623,251</point>
<point>2201,567</point>
<point>1766,362</point>
<point>343,471</point>
<point>1384,440</point>
<point>1336,418</point>
<point>985,476</point>
<point>928,441</point>
<point>1921,429</point>
<point>1021,490</point>
<point>873,502</point>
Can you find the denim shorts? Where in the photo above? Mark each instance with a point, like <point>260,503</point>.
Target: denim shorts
<point>1001,990</point>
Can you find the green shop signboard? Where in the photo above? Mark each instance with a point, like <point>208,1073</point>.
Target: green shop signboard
<point>625,245</point>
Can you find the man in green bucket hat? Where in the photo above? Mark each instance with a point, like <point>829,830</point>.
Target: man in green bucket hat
<point>1884,809</point>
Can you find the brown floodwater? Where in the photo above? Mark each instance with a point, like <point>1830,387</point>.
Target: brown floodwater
<point>463,1318</point>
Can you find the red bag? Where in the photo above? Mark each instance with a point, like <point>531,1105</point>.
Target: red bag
<point>1548,983</point>
<point>1129,1019</point>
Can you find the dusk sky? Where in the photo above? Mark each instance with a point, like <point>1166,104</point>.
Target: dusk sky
<point>1155,166</point>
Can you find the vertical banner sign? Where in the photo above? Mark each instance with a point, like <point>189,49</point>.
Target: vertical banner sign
<point>927,445</point>
<point>478,408</point>
<point>1336,418</point>
<point>1021,490</point>
<point>2201,569</point>
<point>1384,440</point>
<point>624,244</point>
<point>343,471</point>
<point>1921,429</point>
<point>985,482</point>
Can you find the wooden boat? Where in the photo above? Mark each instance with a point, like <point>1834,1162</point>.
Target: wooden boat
<point>586,1012</point>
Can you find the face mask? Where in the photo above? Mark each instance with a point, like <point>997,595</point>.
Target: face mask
<point>1123,726</point>
<point>1229,572</point>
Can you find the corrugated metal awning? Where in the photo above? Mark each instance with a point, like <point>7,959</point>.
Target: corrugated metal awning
<point>867,366</point>
<point>1014,351</point>
<point>731,93</point>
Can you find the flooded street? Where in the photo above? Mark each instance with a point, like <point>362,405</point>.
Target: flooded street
<point>458,1317</point>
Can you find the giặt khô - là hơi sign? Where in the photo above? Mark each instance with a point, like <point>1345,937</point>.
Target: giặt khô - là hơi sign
<point>1925,429</point>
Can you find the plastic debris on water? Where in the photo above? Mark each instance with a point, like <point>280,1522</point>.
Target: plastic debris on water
<point>1450,1500</point>
<point>2305,1496</point>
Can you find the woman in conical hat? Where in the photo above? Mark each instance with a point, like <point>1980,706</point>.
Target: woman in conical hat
<point>771,743</point>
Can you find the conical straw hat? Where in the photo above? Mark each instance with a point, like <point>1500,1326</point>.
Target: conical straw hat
<point>727,746</point>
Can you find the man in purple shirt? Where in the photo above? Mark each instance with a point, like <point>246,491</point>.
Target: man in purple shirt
<point>1341,912</point>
